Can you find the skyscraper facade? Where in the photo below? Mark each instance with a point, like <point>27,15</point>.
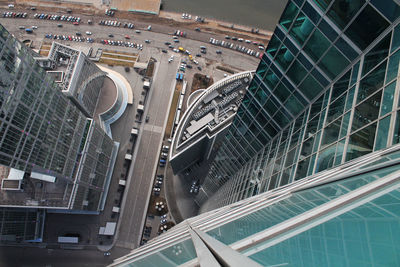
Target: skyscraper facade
<point>309,172</point>
<point>51,154</point>
<point>324,93</point>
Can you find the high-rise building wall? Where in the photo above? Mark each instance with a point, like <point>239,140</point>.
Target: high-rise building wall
<point>325,92</point>
<point>52,155</point>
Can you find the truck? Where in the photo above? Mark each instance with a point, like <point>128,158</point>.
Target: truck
<point>177,76</point>
<point>181,76</point>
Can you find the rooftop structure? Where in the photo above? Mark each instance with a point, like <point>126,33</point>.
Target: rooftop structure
<point>207,116</point>
<point>79,78</point>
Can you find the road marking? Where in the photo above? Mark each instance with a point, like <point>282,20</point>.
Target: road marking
<point>153,128</point>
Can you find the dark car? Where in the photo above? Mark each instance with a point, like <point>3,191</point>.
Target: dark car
<point>110,35</point>
<point>164,51</point>
<point>167,43</point>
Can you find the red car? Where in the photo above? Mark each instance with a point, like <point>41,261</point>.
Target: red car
<point>76,23</point>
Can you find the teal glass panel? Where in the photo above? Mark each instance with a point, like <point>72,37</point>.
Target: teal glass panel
<point>261,95</point>
<point>312,163</point>
<point>361,142</point>
<point>342,11</point>
<point>306,149</point>
<point>281,119</point>
<point>382,133</point>
<point>323,4</point>
<point>312,126</point>
<point>310,87</point>
<point>296,72</point>
<point>345,125</point>
<point>262,68</point>
<point>326,158</point>
<point>372,82</point>
<point>336,109</point>
<point>172,256</point>
<point>271,79</point>
<point>321,121</point>
<point>316,45</point>
<point>288,16</point>
<point>316,142</point>
<point>339,152</point>
<point>331,132</point>
<point>376,55</point>
<point>281,92</point>
<point>396,130</point>
<point>302,168</point>
<point>284,209</point>
<point>354,73</point>
<point>301,29</point>
<point>294,105</point>
<point>367,111</point>
<point>341,86</point>
<point>368,235</point>
<point>316,106</point>
<point>333,62</point>
<point>368,25</point>
<point>284,58</point>
<point>350,98</point>
<point>388,96</point>
<point>396,38</point>
<point>273,46</point>
<point>393,67</point>
<point>389,8</point>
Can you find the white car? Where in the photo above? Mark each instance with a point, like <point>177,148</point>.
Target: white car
<point>34,27</point>
<point>89,33</point>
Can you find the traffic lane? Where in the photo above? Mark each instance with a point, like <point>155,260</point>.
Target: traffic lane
<point>119,31</point>
<point>146,159</point>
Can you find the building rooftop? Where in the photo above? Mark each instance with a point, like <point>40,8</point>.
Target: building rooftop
<point>211,111</point>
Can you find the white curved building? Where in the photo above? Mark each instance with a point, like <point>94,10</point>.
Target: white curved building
<point>205,119</point>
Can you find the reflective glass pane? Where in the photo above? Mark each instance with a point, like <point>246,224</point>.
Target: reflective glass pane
<point>376,55</point>
<point>361,142</point>
<point>396,38</point>
<point>326,158</point>
<point>281,92</point>
<point>382,133</point>
<point>389,8</point>
<point>310,87</point>
<point>294,105</point>
<point>367,112</point>
<point>388,96</point>
<point>301,29</point>
<point>340,86</point>
<point>316,45</point>
<point>333,62</point>
<point>323,4</point>
<point>273,46</point>
<point>296,72</point>
<point>367,235</point>
<point>396,131</point>
<point>393,67</point>
<point>342,11</point>
<point>271,79</point>
<point>331,132</point>
<point>372,82</point>
<point>284,58</point>
<point>288,16</point>
<point>336,109</point>
<point>366,27</point>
